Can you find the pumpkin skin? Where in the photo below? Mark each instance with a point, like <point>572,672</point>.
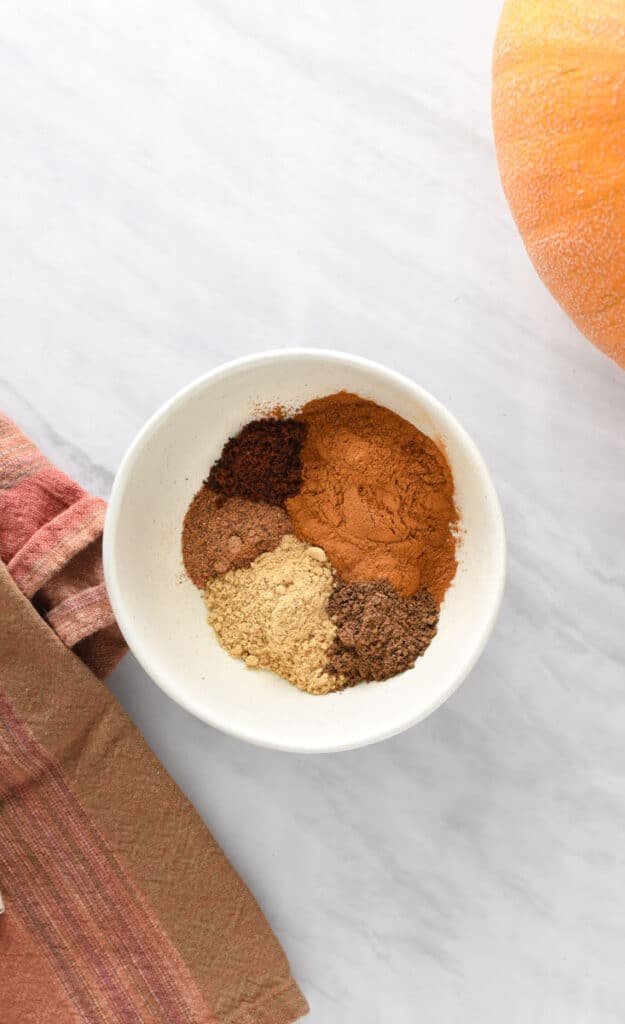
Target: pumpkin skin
<point>559,121</point>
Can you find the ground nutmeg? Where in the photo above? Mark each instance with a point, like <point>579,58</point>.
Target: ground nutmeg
<point>219,534</point>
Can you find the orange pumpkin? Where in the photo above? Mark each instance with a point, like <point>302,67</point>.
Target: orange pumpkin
<point>559,121</point>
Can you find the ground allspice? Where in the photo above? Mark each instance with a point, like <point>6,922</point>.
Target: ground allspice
<point>262,462</point>
<point>379,633</point>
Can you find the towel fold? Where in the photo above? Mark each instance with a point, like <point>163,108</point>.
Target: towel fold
<point>51,543</point>
<point>120,906</point>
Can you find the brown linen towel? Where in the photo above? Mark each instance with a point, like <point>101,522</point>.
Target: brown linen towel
<point>120,906</point>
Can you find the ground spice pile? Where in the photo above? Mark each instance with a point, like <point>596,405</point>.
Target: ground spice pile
<point>378,632</point>
<point>220,533</point>
<point>262,463</point>
<point>274,614</point>
<point>377,496</point>
<point>324,543</point>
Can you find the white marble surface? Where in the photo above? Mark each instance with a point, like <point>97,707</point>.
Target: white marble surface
<point>186,181</point>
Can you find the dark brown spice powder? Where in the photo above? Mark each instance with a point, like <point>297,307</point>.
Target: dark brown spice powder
<point>262,463</point>
<point>379,632</point>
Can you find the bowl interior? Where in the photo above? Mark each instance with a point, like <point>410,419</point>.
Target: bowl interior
<point>162,614</point>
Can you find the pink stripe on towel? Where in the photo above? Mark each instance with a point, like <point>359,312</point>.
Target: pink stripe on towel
<point>81,615</point>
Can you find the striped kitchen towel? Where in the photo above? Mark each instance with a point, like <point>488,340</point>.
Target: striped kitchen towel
<point>120,907</point>
<point>51,543</point>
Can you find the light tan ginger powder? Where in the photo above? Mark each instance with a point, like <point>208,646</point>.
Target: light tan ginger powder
<point>274,615</point>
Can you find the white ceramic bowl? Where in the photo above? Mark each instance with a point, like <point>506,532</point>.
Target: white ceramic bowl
<point>162,615</point>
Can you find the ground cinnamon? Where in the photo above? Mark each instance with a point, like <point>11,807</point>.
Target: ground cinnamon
<point>377,495</point>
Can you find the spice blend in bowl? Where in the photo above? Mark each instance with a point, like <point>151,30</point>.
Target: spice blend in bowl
<point>163,615</point>
<point>324,543</point>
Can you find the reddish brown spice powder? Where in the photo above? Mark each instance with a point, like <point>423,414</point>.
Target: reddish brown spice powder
<point>220,534</point>
<point>377,495</point>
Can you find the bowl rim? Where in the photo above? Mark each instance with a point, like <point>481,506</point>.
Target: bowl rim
<point>141,651</point>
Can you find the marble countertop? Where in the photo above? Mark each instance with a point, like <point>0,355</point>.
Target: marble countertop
<point>185,182</point>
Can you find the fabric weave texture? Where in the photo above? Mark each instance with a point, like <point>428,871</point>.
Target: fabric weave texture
<point>120,907</point>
